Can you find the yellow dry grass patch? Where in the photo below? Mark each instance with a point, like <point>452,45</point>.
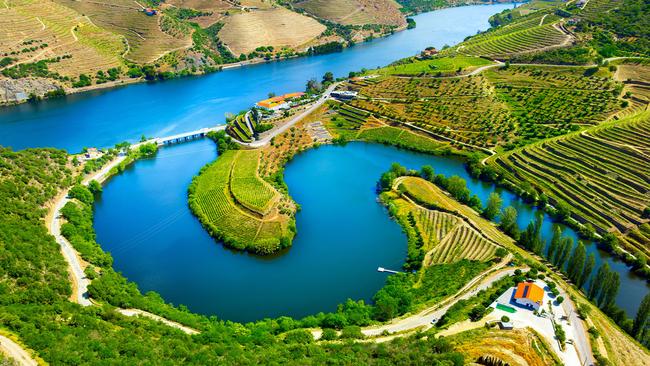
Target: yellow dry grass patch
<point>520,347</point>
<point>146,41</point>
<point>355,12</point>
<point>64,31</point>
<point>278,27</point>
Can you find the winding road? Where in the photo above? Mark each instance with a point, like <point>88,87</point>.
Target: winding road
<point>16,352</point>
<point>79,280</point>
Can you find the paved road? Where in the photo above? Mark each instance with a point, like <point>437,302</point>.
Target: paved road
<point>296,119</point>
<point>79,280</point>
<point>16,352</point>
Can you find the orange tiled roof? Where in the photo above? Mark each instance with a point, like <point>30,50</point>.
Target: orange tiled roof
<point>272,102</point>
<point>527,290</point>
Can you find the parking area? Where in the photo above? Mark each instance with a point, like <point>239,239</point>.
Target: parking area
<point>541,321</point>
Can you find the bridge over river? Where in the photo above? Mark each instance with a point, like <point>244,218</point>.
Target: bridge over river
<point>186,136</point>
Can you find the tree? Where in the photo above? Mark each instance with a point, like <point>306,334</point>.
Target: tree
<point>642,318</point>
<point>94,187</point>
<point>313,86</point>
<point>577,263</point>
<point>457,187</point>
<point>563,210</point>
<point>555,243</point>
<point>598,281</point>
<point>509,221</point>
<point>493,206</point>
<point>567,244</point>
<point>609,290</point>
<point>82,193</point>
<point>427,172</point>
<point>586,272</point>
<point>328,77</point>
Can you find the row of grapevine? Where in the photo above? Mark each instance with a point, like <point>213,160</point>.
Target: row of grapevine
<point>601,174</point>
<point>462,242</point>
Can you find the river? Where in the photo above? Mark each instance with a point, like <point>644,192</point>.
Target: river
<point>343,233</point>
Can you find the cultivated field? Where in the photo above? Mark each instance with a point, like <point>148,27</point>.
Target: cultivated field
<point>538,31</point>
<point>436,66</point>
<point>44,30</point>
<point>146,42</point>
<point>355,12</point>
<point>601,173</point>
<point>518,104</point>
<point>238,207</point>
<point>447,237</point>
<point>278,27</point>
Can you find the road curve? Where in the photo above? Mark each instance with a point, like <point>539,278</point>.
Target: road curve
<point>16,353</point>
<point>79,280</point>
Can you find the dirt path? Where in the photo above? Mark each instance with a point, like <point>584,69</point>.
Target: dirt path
<point>16,352</point>
<point>138,312</point>
<point>423,319</point>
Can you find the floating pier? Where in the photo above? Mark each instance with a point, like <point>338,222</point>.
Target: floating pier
<point>382,269</point>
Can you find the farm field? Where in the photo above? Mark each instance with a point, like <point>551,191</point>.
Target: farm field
<point>46,30</point>
<point>237,206</point>
<point>436,66</point>
<point>146,41</point>
<point>501,106</point>
<point>355,12</point>
<point>278,27</point>
<point>600,173</point>
<point>446,236</point>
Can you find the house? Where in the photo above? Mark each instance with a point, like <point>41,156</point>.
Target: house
<point>150,12</point>
<point>428,53</point>
<point>277,103</point>
<point>92,153</point>
<point>506,325</point>
<point>529,294</point>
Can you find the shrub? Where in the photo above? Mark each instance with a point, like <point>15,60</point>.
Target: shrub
<point>352,332</point>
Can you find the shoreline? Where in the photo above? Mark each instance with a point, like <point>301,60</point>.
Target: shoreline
<point>218,68</point>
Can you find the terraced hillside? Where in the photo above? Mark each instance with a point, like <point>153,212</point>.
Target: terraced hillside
<point>278,27</point>
<point>354,12</point>
<point>539,31</point>
<point>502,105</point>
<point>602,173</point>
<point>444,236</point>
<point>238,207</point>
<point>146,41</point>
<point>67,42</point>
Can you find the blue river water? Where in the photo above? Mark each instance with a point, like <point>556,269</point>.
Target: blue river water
<point>142,217</point>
